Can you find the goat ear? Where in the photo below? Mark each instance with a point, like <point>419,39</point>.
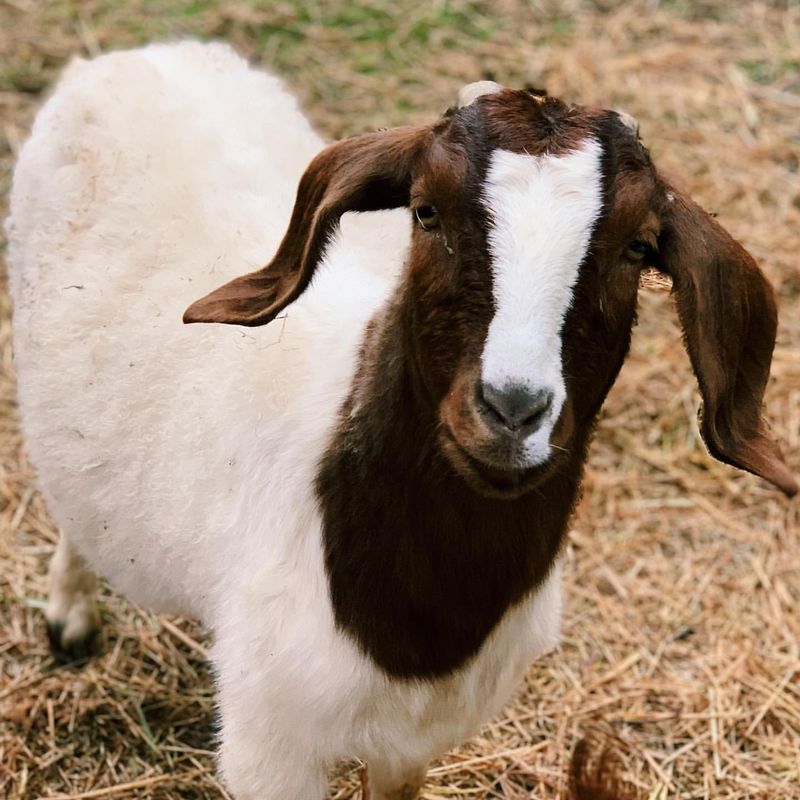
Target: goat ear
<point>729,318</point>
<point>365,173</point>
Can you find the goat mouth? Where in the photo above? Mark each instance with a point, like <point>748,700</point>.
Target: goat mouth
<point>489,479</point>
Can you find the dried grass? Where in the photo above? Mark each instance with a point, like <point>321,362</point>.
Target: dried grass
<point>683,576</point>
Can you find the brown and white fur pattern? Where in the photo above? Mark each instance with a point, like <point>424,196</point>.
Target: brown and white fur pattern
<point>364,500</point>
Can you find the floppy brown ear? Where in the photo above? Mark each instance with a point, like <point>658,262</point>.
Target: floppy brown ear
<point>365,173</point>
<point>729,318</point>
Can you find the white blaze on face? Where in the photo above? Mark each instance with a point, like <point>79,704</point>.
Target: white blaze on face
<point>542,211</point>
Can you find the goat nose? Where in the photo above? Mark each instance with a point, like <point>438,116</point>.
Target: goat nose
<point>514,407</point>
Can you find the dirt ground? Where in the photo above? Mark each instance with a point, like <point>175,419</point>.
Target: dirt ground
<point>681,631</point>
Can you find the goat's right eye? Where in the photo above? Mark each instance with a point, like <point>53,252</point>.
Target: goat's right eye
<point>637,250</point>
<point>427,216</point>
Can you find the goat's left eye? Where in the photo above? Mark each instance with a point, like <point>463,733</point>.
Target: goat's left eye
<point>427,216</point>
<point>637,250</point>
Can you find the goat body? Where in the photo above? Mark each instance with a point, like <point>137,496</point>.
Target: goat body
<point>181,462</point>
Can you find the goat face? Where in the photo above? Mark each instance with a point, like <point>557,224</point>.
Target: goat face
<point>533,219</point>
<point>532,222</point>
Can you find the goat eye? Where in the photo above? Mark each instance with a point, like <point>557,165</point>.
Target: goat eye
<point>637,250</point>
<point>427,216</point>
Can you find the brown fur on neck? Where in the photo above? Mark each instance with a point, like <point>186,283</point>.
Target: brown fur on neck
<point>421,567</point>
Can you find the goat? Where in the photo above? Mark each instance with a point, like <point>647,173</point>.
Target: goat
<point>364,500</point>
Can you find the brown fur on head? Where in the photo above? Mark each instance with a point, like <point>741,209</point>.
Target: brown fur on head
<point>450,289</point>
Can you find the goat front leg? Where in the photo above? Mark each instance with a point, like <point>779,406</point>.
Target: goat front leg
<point>263,755</point>
<point>73,621</point>
<point>387,781</point>
<point>255,767</point>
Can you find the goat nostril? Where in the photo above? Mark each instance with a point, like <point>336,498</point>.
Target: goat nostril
<point>540,405</point>
<point>489,404</point>
<point>515,407</point>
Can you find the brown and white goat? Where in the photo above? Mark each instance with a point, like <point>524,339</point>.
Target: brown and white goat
<point>365,500</point>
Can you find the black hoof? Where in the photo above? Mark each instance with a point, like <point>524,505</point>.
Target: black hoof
<point>75,652</point>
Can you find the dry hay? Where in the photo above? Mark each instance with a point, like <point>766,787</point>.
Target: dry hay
<point>681,629</point>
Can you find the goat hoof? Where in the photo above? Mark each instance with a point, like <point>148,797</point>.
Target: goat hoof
<point>72,649</point>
